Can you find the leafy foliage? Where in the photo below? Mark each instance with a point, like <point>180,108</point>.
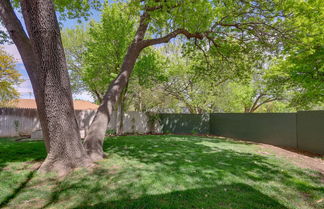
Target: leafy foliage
<point>302,74</point>
<point>4,37</point>
<point>96,53</point>
<point>76,9</point>
<point>106,47</point>
<point>219,61</point>
<point>74,47</point>
<point>301,68</point>
<point>9,77</point>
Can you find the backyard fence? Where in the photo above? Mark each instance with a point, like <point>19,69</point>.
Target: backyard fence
<point>15,122</point>
<point>301,130</point>
<point>23,122</point>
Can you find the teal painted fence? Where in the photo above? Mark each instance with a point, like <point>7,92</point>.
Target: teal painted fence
<point>272,128</point>
<point>310,131</point>
<point>302,130</point>
<point>185,123</point>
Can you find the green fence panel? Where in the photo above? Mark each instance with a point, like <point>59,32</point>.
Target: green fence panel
<point>185,123</point>
<point>310,131</point>
<point>271,128</point>
<point>302,130</point>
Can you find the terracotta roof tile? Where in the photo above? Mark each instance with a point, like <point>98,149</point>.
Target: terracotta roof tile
<point>78,104</point>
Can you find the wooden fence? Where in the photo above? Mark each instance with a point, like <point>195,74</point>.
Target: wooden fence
<point>20,121</point>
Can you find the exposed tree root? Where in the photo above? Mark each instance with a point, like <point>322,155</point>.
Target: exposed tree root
<point>63,166</point>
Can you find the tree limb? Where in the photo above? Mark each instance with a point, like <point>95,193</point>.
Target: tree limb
<point>168,37</point>
<point>264,102</point>
<point>256,102</point>
<point>142,28</point>
<point>19,37</point>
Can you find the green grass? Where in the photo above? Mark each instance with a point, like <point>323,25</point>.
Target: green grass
<point>160,172</point>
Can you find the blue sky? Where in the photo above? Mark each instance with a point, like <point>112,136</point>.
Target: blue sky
<point>25,88</point>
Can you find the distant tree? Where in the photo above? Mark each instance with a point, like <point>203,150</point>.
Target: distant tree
<point>149,73</point>
<point>245,96</point>
<point>4,37</point>
<point>255,93</point>
<point>196,74</point>
<point>302,73</point>
<point>301,68</point>
<point>74,43</point>
<point>9,79</point>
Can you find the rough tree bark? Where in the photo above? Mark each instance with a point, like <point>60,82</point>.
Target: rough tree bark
<point>43,56</point>
<point>94,139</point>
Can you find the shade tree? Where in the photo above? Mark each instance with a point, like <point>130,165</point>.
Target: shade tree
<point>42,53</point>
<point>87,48</point>
<point>300,68</point>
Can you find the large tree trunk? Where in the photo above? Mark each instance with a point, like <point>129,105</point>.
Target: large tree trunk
<point>44,59</point>
<point>54,97</point>
<point>94,139</point>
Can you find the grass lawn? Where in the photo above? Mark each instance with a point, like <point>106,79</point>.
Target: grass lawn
<point>161,172</point>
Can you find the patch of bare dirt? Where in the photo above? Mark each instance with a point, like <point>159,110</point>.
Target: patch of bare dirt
<point>301,159</point>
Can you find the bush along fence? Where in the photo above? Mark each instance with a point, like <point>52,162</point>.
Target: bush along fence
<point>302,130</point>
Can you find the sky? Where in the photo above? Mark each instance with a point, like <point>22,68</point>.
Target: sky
<point>25,88</point>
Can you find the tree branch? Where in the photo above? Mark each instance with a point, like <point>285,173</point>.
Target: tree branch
<point>264,102</point>
<point>142,28</point>
<point>19,37</point>
<point>204,53</point>
<point>168,37</point>
<point>256,102</point>
<point>12,23</point>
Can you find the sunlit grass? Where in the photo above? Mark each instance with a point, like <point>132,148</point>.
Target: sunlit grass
<point>161,172</point>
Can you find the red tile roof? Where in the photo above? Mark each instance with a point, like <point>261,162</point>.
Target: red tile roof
<point>78,104</point>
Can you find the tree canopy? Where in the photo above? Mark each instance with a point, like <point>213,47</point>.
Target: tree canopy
<point>216,61</point>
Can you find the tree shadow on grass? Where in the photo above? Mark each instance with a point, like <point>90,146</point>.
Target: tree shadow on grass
<point>194,155</point>
<point>11,151</point>
<point>179,172</point>
<point>170,172</point>
<point>220,196</point>
<point>17,166</point>
<point>209,160</point>
<point>18,189</point>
